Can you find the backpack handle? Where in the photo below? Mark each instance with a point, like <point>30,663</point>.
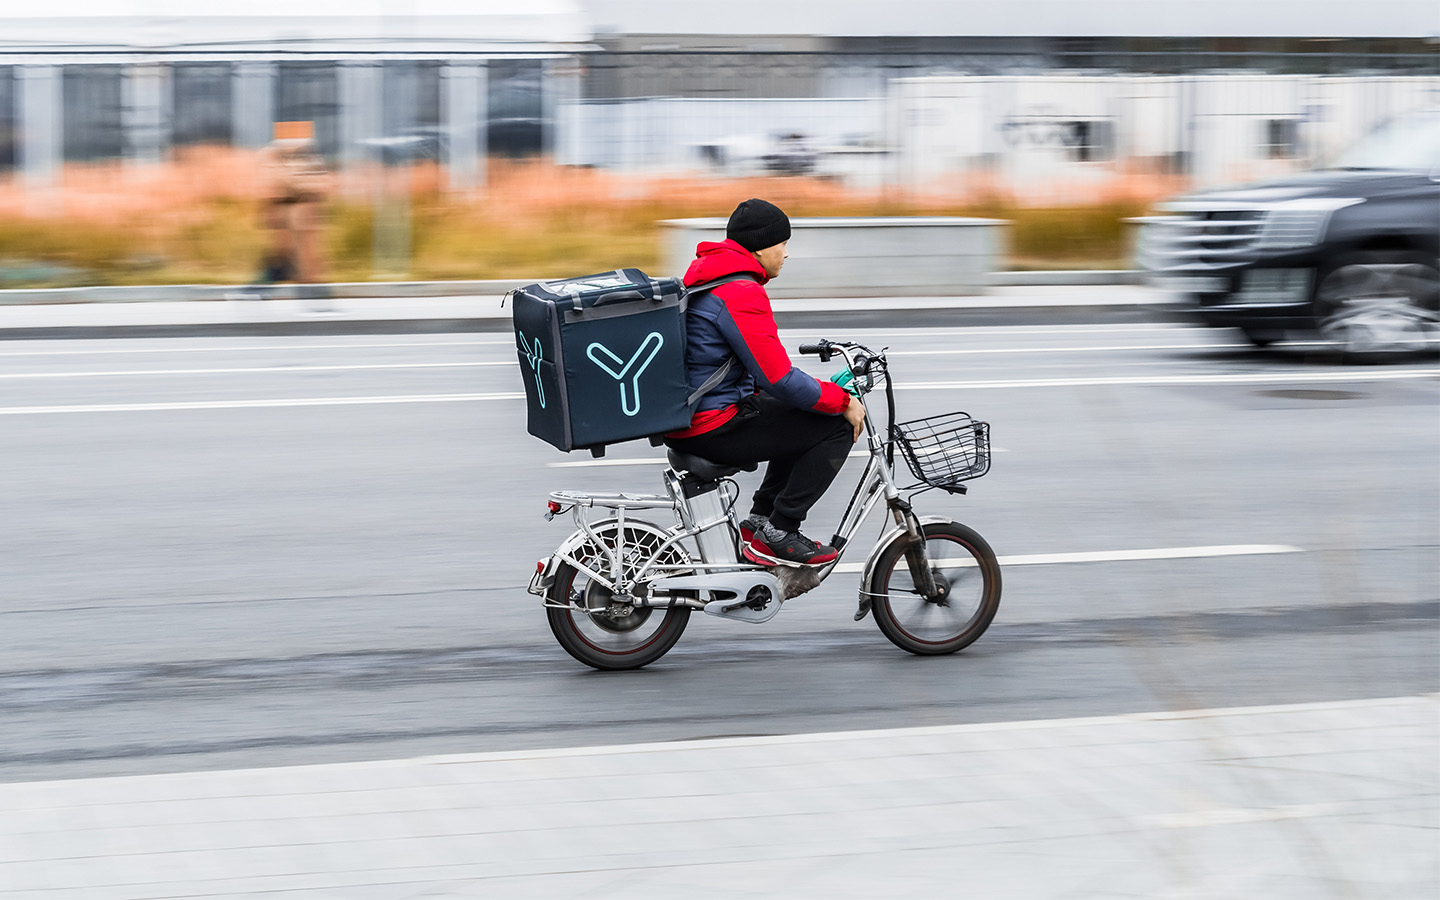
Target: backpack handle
<point>621,297</point>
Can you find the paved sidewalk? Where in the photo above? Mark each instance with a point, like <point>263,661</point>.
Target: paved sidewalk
<point>484,312</point>
<point>1325,800</point>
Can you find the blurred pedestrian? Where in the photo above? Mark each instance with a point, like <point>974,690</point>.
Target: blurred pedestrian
<point>297,183</point>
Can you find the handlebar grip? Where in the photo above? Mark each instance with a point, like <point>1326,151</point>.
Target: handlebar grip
<point>813,349</point>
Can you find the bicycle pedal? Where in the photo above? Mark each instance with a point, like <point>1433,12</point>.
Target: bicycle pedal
<point>797,580</point>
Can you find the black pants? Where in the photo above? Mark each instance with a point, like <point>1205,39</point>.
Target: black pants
<point>805,451</point>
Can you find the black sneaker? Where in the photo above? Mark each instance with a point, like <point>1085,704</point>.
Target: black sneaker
<point>770,546</point>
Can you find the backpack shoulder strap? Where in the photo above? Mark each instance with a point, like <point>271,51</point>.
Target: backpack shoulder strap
<point>712,285</point>
<point>710,383</point>
<point>719,374</point>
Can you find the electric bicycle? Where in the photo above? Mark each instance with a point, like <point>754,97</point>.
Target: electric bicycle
<point>619,591</point>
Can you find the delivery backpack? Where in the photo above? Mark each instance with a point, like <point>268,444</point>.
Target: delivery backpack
<point>603,357</point>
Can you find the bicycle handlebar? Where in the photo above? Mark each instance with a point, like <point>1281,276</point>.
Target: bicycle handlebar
<point>866,365</point>
<point>852,352</point>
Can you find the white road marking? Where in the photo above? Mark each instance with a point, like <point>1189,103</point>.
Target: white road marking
<point>602,463</point>
<point>1255,378</point>
<point>306,367</point>
<point>660,460</point>
<point>849,334</point>
<point>248,370</point>
<point>1105,349</point>
<point>115,346</point>
<point>224,348</point>
<point>1247,378</point>
<point>252,404</point>
<point>648,461</point>
<point>1051,559</point>
<point>1241,815</point>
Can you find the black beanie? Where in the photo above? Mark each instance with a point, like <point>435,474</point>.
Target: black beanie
<point>757,224</point>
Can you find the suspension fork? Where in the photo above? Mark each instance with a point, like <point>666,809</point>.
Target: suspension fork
<point>914,537</point>
<point>916,558</point>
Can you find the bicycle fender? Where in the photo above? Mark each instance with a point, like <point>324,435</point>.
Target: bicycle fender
<point>544,577</point>
<point>886,539</point>
<point>565,553</point>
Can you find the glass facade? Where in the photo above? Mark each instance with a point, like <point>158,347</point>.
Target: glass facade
<point>310,92</point>
<point>516,105</point>
<point>91,113</point>
<point>9,115</point>
<point>202,104</point>
<point>410,108</point>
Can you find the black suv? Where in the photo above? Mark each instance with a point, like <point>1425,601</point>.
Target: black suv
<point>1348,252</point>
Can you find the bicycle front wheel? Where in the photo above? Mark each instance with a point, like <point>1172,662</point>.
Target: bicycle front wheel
<point>967,580</point>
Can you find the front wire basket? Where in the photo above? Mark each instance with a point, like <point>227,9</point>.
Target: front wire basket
<point>945,450</point>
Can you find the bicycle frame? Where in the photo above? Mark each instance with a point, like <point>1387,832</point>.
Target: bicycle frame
<point>876,482</point>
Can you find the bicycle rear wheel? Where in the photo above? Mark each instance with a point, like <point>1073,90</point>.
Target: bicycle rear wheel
<point>967,575</point>
<point>592,626</point>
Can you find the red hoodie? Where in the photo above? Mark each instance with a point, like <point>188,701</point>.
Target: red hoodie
<point>736,319</point>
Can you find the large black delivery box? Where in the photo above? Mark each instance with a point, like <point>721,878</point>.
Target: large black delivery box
<point>603,358</point>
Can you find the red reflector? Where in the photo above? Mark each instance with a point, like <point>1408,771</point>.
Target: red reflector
<point>540,567</point>
<point>554,507</point>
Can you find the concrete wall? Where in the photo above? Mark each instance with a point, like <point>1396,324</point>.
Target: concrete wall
<point>865,257</point>
<point>1036,137</point>
<point>1034,133</point>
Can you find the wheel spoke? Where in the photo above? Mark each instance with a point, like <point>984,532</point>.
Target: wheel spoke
<point>918,611</point>
<point>925,619</point>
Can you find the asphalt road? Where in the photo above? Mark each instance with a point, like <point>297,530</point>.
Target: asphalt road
<point>233,552</point>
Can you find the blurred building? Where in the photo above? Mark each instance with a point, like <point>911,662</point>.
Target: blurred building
<point>905,91</point>
<point>1024,94</point>
<point>1031,133</point>
<point>448,79</point>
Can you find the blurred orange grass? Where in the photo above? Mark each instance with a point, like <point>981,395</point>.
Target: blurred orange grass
<point>196,219</point>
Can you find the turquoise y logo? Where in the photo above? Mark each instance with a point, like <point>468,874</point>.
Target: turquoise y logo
<point>620,370</point>
<point>534,357</point>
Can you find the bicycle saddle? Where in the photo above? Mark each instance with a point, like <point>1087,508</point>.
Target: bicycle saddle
<point>701,467</point>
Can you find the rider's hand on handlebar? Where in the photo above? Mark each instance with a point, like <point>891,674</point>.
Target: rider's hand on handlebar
<point>855,415</point>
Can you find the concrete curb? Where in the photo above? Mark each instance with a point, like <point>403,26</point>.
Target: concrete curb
<point>870,318</point>
<point>1091,304</point>
<point>1067,278</point>
<point>210,292</point>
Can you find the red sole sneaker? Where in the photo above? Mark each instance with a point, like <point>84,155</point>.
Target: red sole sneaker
<point>747,551</point>
<point>756,551</point>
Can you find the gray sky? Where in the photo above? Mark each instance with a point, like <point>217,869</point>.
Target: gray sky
<point>1282,18</point>
<point>189,9</point>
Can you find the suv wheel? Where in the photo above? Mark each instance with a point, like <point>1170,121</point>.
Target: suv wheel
<point>1380,303</point>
